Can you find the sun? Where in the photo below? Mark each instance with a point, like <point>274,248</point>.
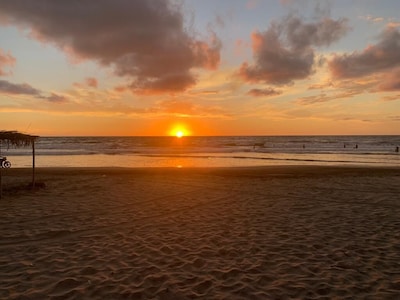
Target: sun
<point>179,131</point>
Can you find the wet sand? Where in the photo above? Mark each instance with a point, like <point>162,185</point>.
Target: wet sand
<point>290,232</point>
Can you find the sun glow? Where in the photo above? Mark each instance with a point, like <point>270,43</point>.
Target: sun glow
<point>179,131</point>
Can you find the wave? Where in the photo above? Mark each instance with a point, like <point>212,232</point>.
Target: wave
<point>270,158</point>
<point>250,149</point>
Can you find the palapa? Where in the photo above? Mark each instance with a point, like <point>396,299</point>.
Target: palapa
<point>17,139</point>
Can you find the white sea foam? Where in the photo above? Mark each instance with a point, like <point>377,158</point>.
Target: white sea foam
<point>208,151</point>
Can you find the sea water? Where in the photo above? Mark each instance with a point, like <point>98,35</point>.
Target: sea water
<point>207,151</point>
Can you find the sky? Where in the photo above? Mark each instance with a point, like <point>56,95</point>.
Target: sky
<point>209,67</point>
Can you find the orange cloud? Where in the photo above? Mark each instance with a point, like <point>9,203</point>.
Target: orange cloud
<point>187,108</point>
<point>120,89</point>
<point>6,59</point>
<point>323,97</point>
<point>393,24</point>
<point>372,19</point>
<point>391,98</point>
<point>207,56</point>
<point>390,81</point>
<point>89,82</point>
<point>177,107</point>
<point>92,82</point>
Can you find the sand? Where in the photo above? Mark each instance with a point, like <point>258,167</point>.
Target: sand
<point>235,233</point>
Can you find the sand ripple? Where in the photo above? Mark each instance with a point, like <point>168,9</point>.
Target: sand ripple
<point>207,235</point>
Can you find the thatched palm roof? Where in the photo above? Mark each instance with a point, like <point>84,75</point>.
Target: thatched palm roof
<point>17,139</point>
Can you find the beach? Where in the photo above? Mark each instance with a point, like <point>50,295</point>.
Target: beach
<point>275,232</point>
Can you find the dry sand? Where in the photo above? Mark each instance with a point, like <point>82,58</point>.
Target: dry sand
<point>237,233</point>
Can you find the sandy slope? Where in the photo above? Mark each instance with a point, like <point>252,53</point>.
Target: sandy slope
<point>250,233</point>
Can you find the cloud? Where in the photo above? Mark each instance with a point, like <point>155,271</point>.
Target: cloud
<point>263,92</point>
<point>390,22</point>
<point>15,89</point>
<point>89,82</point>
<point>145,41</point>
<point>120,89</point>
<point>323,85</point>
<point>187,108</point>
<point>55,98</point>
<point>372,19</point>
<point>6,59</point>
<point>395,118</point>
<point>313,99</point>
<point>177,107</point>
<point>390,81</point>
<point>92,82</point>
<point>252,4</point>
<point>391,98</point>
<point>169,83</point>
<point>205,92</point>
<point>9,88</point>
<point>286,51</point>
<point>393,24</point>
<point>384,55</point>
<point>323,97</point>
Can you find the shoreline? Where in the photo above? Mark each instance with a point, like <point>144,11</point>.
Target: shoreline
<point>277,166</point>
<point>207,159</point>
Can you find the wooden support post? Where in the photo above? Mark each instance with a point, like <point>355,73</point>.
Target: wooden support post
<point>33,164</point>
<point>1,183</point>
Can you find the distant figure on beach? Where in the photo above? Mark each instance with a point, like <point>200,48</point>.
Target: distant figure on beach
<point>356,146</point>
<point>397,149</point>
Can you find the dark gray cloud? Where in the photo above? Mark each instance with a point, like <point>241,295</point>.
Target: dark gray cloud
<point>286,51</point>
<point>15,89</point>
<point>383,56</point>
<point>7,87</point>
<point>263,92</point>
<point>54,98</point>
<point>143,40</point>
<point>302,35</point>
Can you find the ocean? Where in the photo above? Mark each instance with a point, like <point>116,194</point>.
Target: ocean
<point>207,151</point>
